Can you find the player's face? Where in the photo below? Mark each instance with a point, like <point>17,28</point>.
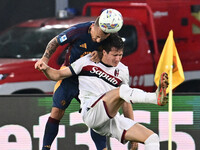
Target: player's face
<point>113,57</point>
<point>97,34</point>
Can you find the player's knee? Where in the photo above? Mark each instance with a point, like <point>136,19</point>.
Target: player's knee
<point>152,139</point>
<point>57,113</point>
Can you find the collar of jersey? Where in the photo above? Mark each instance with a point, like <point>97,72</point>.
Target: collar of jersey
<point>105,64</point>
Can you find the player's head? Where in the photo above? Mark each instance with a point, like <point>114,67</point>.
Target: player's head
<point>110,21</point>
<point>97,34</point>
<point>112,50</point>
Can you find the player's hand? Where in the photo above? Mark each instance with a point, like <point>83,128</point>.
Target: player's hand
<point>39,63</point>
<point>43,67</point>
<point>95,57</point>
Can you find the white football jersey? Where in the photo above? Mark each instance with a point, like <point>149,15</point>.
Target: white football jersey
<point>96,79</point>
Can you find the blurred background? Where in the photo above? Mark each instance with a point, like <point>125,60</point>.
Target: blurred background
<point>26,94</point>
<point>13,12</point>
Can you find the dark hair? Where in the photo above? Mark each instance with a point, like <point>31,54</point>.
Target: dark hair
<point>114,40</point>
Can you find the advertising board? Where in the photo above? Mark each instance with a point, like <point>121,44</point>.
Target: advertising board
<point>23,120</point>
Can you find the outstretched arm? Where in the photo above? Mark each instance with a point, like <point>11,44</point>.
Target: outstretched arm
<point>54,74</point>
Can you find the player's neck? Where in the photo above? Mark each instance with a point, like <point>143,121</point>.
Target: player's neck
<point>105,64</point>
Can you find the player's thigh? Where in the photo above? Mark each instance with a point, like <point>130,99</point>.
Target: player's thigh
<point>113,101</point>
<point>95,115</point>
<point>138,133</point>
<point>64,93</point>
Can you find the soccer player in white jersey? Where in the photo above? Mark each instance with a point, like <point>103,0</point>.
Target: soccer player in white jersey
<point>104,88</point>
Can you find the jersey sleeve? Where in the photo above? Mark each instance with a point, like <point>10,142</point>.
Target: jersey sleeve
<point>124,73</point>
<point>126,76</point>
<point>77,66</point>
<point>67,36</point>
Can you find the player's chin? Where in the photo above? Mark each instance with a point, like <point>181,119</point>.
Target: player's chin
<point>114,65</point>
<point>94,40</point>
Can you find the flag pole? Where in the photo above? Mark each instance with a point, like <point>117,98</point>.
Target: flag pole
<point>170,63</point>
<point>170,110</point>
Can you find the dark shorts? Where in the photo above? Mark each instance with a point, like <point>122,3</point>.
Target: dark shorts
<point>65,91</point>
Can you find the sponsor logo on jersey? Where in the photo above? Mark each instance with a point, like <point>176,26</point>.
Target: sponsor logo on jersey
<point>63,38</point>
<point>98,72</point>
<point>101,74</point>
<point>84,45</point>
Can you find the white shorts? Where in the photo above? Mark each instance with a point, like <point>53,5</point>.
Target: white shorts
<point>96,117</point>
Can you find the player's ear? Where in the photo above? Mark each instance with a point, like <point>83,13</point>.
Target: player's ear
<point>104,52</point>
<point>92,25</point>
<point>107,35</point>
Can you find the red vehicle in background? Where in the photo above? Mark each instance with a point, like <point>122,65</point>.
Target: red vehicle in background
<point>21,46</point>
<point>146,27</point>
<point>152,20</point>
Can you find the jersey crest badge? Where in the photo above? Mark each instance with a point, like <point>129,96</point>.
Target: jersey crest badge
<point>63,38</point>
<point>116,73</point>
<point>84,45</point>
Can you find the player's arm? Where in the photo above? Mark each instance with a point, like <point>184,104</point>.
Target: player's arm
<point>74,69</point>
<point>50,49</point>
<point>54,74</point>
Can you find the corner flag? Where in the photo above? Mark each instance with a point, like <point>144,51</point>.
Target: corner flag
<point>170,63</point>
<point>169,59</point>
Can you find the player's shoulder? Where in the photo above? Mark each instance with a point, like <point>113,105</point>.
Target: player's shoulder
<point>82,26</point>
<point>82,61</point>
<point>78,29</point>
<point>85,58</point>
<point>122,66</point>
<point>74,32</point>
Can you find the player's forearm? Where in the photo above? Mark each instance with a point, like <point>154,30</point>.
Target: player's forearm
<point>127,110</point>
<point>50,49</point>
<point>57,75</point>
<point>52,74</point>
